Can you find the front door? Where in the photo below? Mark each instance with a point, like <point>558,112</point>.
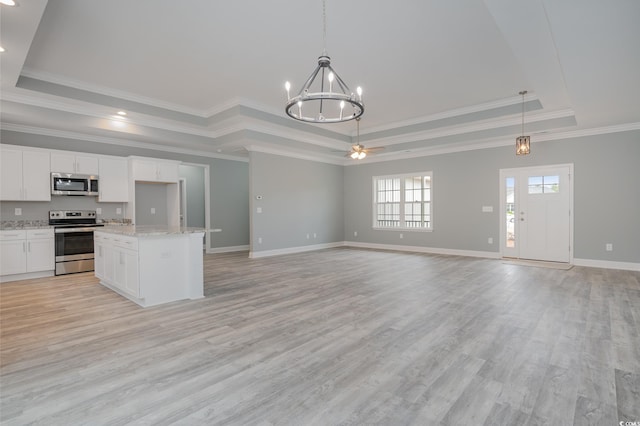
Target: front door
<point>536,213</point>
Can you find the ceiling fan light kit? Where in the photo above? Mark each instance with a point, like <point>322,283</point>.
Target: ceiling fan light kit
<point>324,97</point>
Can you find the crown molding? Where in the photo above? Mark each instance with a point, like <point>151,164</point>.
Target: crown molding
<point>222,129</point>
<point>495,143</point>
<point>300,156</point>
<point>476,126</point>
<point>451,113</point>
<point>107,91</point>
<point>619,128</point>
<point>116,141</point>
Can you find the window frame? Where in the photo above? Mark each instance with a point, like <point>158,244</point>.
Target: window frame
<point>402,177</point>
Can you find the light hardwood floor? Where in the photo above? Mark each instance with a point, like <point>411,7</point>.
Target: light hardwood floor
<point>338,336</point>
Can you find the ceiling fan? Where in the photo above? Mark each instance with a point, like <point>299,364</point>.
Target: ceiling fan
<point>358,151</point>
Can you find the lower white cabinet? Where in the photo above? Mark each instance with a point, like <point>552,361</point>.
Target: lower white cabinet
<point>116,262</point>
<point>150,267</point>
<point>26,251</point>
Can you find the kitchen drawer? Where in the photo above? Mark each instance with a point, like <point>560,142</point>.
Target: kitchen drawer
<point>39,233</point>
<point>130,243</point>
<point>18,234</point>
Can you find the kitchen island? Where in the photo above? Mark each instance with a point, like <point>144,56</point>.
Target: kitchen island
<point>150,265</point>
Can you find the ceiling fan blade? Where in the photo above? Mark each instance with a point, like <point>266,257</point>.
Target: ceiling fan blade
<point>374,149</point>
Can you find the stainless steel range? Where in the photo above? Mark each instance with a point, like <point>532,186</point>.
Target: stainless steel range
<point>73,230</point>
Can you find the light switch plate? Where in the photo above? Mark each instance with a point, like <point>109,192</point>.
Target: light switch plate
<point>98,210</point>
<point>18,211</point>
<point>118,210</point>
<point>487,209</point>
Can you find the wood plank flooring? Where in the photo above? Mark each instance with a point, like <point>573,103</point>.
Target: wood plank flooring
<point>334,337</point>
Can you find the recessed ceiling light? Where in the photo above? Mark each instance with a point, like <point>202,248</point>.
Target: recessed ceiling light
<point>8,2</point>
<point>122,113</point>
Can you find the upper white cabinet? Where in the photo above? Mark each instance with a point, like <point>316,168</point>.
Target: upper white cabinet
<point>153,170</point>
<point>75,163</point>
<point>25,175</point>
<point>114,180</point>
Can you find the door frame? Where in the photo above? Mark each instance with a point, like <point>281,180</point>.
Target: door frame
<point>503,173</point>
<point>207,203</point>
<point>182,195</point>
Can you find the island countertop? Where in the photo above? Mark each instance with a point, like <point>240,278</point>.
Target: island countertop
<point>148,230</point>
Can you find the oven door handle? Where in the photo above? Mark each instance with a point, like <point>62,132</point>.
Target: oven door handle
<point>68,230</point>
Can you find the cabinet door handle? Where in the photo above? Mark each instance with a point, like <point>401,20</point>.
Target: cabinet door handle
<point>29,246</point>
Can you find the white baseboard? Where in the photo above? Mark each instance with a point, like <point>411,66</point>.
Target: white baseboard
<point>430,250</point>
<point>227,249</point>
<point>607,264</point>
<point>292,250</point>
<point>27,276</point>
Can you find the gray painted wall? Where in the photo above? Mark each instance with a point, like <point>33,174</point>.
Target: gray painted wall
<point>303,197</point>
<point>606,195</point>
<point>39,210</point>
<point>148,196</point>
<point>299,197</point>
<point>194,176</point>
<point>229,182</point>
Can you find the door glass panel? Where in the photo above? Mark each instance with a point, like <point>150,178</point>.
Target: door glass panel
<point>510,203</point>
<point>535,184</point>
<point>551,184</point>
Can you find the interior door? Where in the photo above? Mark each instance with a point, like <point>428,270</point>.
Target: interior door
<point>536,211</point>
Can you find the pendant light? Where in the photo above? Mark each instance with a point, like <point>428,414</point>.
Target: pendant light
<point>314,103</point>
<point>523,143</point>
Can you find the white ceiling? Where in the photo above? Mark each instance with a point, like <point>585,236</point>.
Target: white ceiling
<point>208,76</point>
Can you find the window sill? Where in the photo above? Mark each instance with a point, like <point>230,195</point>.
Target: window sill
<point>404,229</point>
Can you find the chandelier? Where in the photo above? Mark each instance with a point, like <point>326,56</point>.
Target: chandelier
<point>523,143</point>
<point>324,97</point>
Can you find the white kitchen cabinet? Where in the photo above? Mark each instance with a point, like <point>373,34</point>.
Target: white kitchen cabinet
<point>153,170</point>
<point>114,180</point>
<point>116,262</point>
<point>40,250</point>
<point>25,175</point>
<point>13,252</point>
<point>151,266</point>
<point>98,253</point>
<point>84,164</point>
<point>26,251</point>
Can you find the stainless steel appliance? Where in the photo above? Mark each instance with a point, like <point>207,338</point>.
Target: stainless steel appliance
<point>73,230</point>
<point>73,184</point>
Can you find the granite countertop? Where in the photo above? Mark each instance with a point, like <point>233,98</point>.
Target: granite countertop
<point>13,225</point>
<point>148,231</point>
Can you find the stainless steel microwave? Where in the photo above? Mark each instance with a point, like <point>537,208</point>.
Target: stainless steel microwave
<point>73,184</point>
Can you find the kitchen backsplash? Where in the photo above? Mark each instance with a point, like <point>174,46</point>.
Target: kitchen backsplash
<point>39,210</point>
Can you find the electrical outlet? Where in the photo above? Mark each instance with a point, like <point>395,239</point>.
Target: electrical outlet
<point>18,211</point>
<point>490,240</point>
<point>153,210</point>
<point>259,240</point>
<point>314,235</point>
<point>307,236</point>
<point>98,210</point>
<point>608,247</point>
<point>259,210</point>
<point>355,233</point>
<point>401,236</point>
<point>118,210</point>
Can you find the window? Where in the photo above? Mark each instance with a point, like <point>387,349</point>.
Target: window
<point>402,202</point>
<point>544,184</point>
